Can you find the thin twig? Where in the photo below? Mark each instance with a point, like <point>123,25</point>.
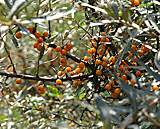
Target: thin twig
<point>14,70</point>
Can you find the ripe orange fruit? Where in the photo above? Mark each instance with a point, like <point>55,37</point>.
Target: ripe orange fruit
<point>117,91</point>
<point>60,73</point>
<point>40,108</point>
<point>41,91</point>
<point>92,44</point>
<point>99,72</point>
<point>124,77</point>
<point>120,52</point>
<point>121,67</point>
<point>138,73</point>
<point>64,52</point>
<point>35,45</point>
<point>63,60</point>
<point>113,95</point>
<point>37,34</point>
<point>103,39</point>
<point>30,29</point>
<point>100,51</point>
<point>18,35</point>
<point>81,65</point>
<point>155,87</point>
<point>77,70</point>
<point>95,39</point>
<point>58,82</point>
<point>108,87</point>
<point>68,69</point>
<point>134,48</point>
<point>106,53</point>
<point>69,45</point>
<point>136,2</point>
<point>103,34</point>
<point>132,82</point>
<point>72,124</point>
<point>39,40</point>
<point>18,81</point>
<point>39,47</point>
<point>74,86</point>
<point>98,62</point>
<point>41,87</point>
<point>58,49</point>
<point>111,83</point>
<point>107,40</point>
<point>85,58</point>
<point>45,34</point>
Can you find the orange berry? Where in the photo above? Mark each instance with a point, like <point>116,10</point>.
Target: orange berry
<point>30,29</point>
<point>132,82</point>
<point>77,70</point>
<point>114,60</point>
<point>18,35</point>
<point>45,34</point>
<point>108,87</point>
<point>39,40</point>
<point>60,73</point>
<point>136,2</point>
<point>103,47</point>
<point>111,83</point>
<point>99,72</point>
<point>130,54</point>
<point>106,53</point>
<point>85,58</point>
<point>68,69</point>
<point>113,95</point>
<point>63,60</point>
<point>64,64</point>
<point>117,91</point>
<point>103,34</point>
<point>74,86</point>
<point>90,51</point>
<point>81,65</point>
<point>124,77</point>
<point>92,44</point>
<point>107,40</point>
<point>69,45</point>
<point>64,52</point>
<point>100,51</point>
<point>58,82</point>
<point>134,48</point>
<point>41,91</point>
<point>40,108</point>
<point>35,45</point>
<point>58,49</point>
<point>39,47</point>
<point>93,50</point>
<point>117,74</point>
<point>18,81</point>
<point>155,88</point>
<point>95,39</point>
<point>138,73</point>
<point>37,34</point>
<point>103,39</point>
<point>98,62</point>
<point>41,87</point>
<point>120,52</point>
<point>72,124</point>
<point>121,67</point>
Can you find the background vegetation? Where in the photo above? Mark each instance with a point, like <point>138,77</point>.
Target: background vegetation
<point>116,87</point>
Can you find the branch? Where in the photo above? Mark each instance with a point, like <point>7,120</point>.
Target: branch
<point>30,77</point>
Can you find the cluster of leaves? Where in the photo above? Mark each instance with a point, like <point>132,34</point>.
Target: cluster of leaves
<point>119,83</point>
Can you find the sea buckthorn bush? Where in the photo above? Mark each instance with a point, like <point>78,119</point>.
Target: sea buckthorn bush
<point>79,64</point>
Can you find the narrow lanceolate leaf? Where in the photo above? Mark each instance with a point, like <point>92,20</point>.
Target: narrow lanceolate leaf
<point>120,57</point>
<point>8,4</point>
<point>41,53</point>
<point>114,9</point>
<point>15,7</point>
<point>154,24</point>
<point>51,39</point>
<point>15,41</point>
<point>104,111</point>
<point>125,14</point>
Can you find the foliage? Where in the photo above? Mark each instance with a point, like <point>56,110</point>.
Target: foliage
<point>117,86</point>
